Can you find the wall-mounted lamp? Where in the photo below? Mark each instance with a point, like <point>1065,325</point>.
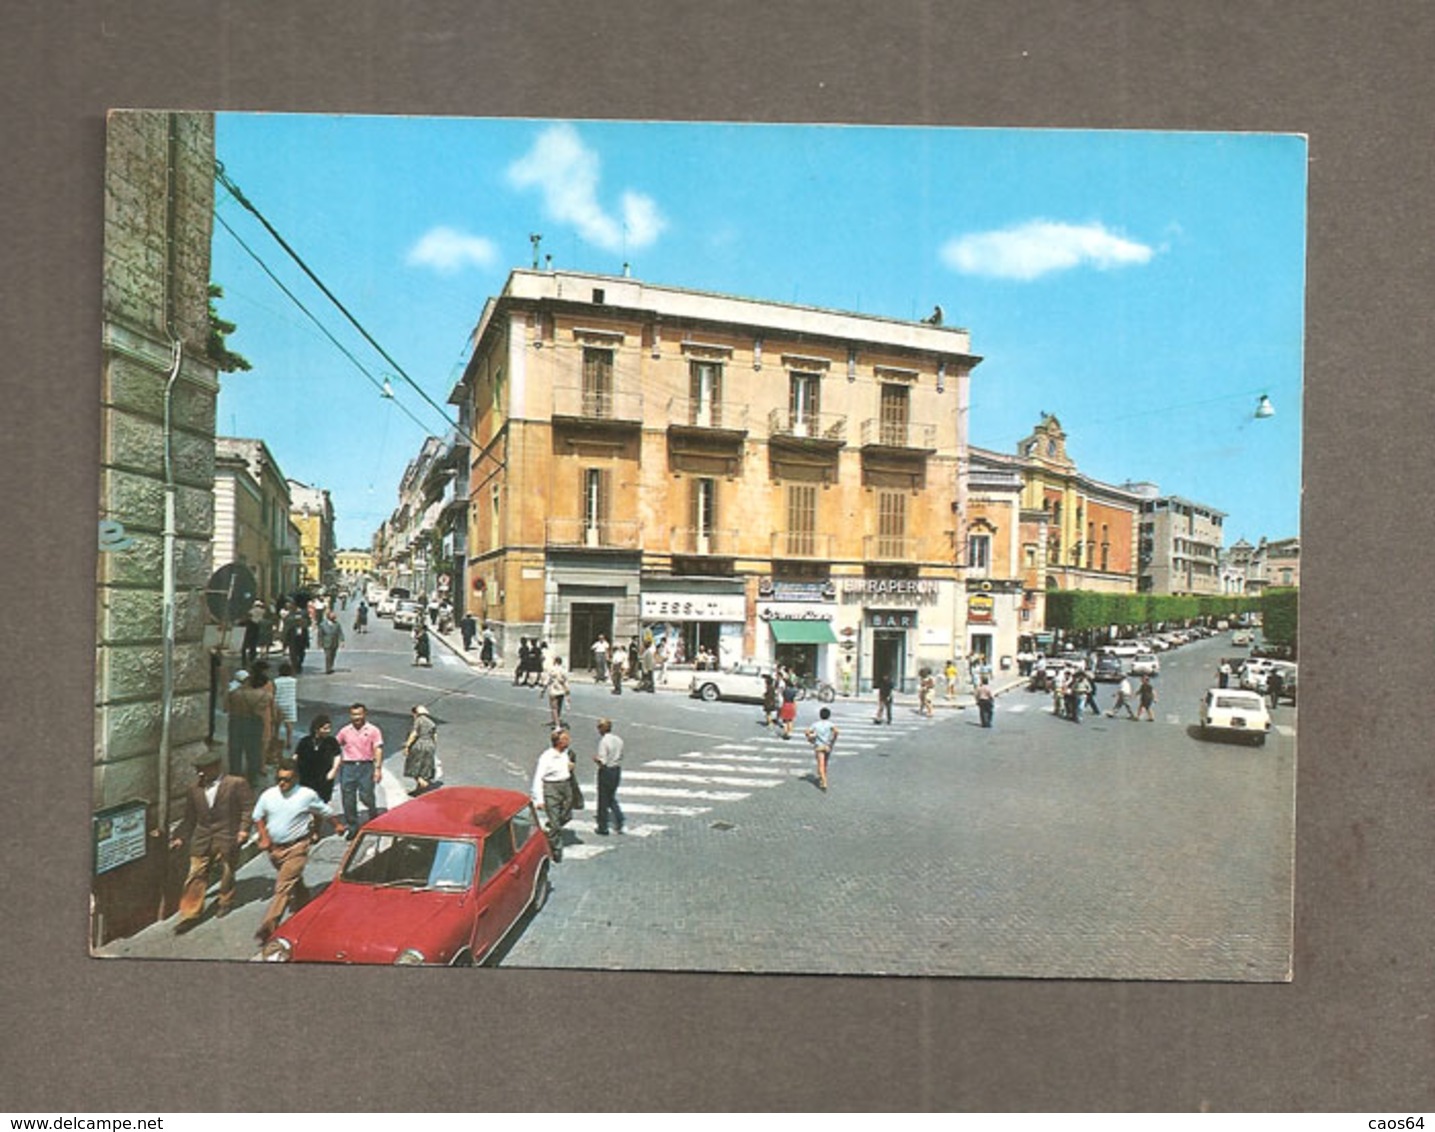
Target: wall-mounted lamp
<point>941,376</point>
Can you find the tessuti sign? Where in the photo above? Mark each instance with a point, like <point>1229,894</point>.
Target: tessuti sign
<point>693,607</point>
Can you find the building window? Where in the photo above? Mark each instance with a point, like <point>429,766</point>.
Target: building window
<point>705,394</point>
<point>801,519</point>
<point>495,528</point>
<point>597,382</point>
<point>1030,550</point>
<point>804,403</point>
<point>704,516</point>
<point>895,413</point>
<point>1105,547</point>
<point>596,493</point>
<point>891,524</point>
<point>979,554</point>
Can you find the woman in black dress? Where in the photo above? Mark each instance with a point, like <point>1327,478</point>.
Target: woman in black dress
<point>315,755</point>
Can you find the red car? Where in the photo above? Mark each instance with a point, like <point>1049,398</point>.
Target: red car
<point>440,880</point>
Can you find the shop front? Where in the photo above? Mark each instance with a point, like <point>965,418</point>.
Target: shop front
<point>699,623</point>
<point>902,625</point>
<point>994,617</point>
<point>799,619</point>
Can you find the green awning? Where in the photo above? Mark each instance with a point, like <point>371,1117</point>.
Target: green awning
<point>803,632</point>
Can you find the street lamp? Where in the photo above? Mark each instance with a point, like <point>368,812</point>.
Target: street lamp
<point>1264,408</point>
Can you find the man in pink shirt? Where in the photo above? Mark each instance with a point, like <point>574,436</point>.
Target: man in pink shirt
<point>361,765</point>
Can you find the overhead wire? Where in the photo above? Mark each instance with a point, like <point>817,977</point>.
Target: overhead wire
<point>222,176</point>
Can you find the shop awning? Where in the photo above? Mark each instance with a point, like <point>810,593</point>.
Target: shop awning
<point>803,632</point>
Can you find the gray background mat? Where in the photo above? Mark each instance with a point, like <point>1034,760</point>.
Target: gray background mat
<point>1353,1031</point>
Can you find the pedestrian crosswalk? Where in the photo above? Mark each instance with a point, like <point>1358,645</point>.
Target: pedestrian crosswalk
<point>656,793</point>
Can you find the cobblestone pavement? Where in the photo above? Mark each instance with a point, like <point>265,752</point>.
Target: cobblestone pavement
<point>1034,849</point>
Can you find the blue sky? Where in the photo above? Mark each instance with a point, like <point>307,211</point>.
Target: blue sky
<point>1146,288</point>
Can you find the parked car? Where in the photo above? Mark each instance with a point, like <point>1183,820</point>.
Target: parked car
<point>743,681</point>
<point>440,881</point>
<point>1108,669</point>
<point>406,613</point>
<point>1253,673</point>
<point>1123,648</point>
<point>1235,711</point>
<point>1241,637</point>
<point>1146,664</point>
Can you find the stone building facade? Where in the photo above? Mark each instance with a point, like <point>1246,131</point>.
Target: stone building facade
<point>312,511</point>
<point>251,516</point>
<point>751,478</point>
<point>158,394</point>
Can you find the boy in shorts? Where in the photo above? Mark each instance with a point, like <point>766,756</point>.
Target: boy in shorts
<point>823,736</point>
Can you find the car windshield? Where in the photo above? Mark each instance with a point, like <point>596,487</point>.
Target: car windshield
<point>404,861</point>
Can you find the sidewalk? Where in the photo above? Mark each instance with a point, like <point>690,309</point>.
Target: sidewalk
<point>679,677</point>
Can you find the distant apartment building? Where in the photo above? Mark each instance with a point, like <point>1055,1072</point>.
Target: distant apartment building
<point>251,516</point>
<point>352,564</point>
<point>1080,533</point>
<point>312,511</point>
<point>753,478</point>
<point>1180,544</point>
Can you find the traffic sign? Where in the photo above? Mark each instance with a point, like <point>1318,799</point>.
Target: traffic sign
<point>230,592</point>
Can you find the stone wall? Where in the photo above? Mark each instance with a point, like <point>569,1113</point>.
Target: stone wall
<point>158,201</point>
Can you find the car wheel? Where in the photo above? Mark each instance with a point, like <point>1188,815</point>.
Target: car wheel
<point>827,693</point>
<point>541,888</point>
<point>1261,740</point>
<point>709,693</point>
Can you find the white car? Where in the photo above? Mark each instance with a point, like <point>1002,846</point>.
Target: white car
<point>406,613</point>
<point>1236,712</point>
<point>386,606</point>
<point>1241,637</point>
<point>1253,673</point>
<point>742,681</point>
<point>1123,648</point>
<point>1145,664</point>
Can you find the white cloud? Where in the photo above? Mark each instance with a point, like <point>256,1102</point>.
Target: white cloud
<point>566,172</point>
<point>448,251</point>
<point>1039,247</point>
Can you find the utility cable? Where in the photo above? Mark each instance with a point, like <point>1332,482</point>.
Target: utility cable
<point>379,385</point>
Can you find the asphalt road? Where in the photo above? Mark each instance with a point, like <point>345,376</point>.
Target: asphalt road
<point>1038,848</point>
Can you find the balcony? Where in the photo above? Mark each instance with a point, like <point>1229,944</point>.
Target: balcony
<point>802,544</point>
<point>608,408</point>
<point>608,534</point>
<point>903,436</point>
<point>894,548</point>
<point>704,542</point>
<point>818,430</point>
<point>706,437</point>
<point>693,413</point>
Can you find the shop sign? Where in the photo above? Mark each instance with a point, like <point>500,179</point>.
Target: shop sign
<point>892,618</point>
<point>980,607</point>
<point>693,607</point>
<point>119,836</point>
<point>774,612</point>
<point>796,591</point>
<point>908,591</point>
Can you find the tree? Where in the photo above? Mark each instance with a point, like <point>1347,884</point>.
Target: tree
<point>1280,609</point>
<point>215,347</point>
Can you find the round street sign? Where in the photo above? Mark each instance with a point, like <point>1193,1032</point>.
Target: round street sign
<point>230,592</point>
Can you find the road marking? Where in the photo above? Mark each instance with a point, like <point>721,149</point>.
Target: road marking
<point>1286,729</point>
<point>673,792</point>
<point>727,758</point>
<point>699,779</point>
<point>584,851</point>
<point>655,810</point>
<point>732,768</point>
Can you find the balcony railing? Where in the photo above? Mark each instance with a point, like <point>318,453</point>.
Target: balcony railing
<point>898,434</point>
<point>801,544</point>
<point>695,541</point>
<point>695,413</point>
<point>608,534</point>
<point>589,404</point>
<point>807,426</point>
<point>893,548</point>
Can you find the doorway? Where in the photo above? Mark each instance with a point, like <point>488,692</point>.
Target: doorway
<point>586,620</point>
<point>889,656</point>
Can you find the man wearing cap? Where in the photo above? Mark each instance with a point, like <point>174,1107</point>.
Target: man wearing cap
<point>287,818</point>
<point>216,824</point>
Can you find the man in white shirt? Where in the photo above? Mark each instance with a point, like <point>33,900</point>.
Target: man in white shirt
<point>553,790</point>
<point>609,758</point>
<point>287,818</point>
